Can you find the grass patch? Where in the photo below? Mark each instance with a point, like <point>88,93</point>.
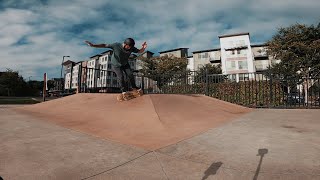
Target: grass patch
<point>17,101</point>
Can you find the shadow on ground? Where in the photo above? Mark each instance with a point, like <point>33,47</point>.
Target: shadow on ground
<point>212,170</point>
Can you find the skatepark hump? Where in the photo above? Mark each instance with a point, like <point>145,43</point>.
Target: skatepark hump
<point>150,121</point>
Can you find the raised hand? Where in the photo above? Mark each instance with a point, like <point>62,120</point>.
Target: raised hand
<point>89,43</point>
<point>144,45</point>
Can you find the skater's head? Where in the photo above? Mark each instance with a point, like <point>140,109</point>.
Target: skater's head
<point>128,43</point>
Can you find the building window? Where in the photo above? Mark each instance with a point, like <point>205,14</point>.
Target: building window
<point>109,66</point>
<point>108,81</point>
<point>243,52</point>
<point>231,65</point>
<point>114,74</point>
<point>243,77</point>
<point>243,64</point>
<point>203,55</point>
<point>109,73</point>
<point>233,77</point>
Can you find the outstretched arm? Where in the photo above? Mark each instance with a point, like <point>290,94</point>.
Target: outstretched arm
<point>144,46</point>
<point>97,45</point>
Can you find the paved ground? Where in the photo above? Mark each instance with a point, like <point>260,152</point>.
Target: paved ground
<point>262,144</point>
<point>149,122</point>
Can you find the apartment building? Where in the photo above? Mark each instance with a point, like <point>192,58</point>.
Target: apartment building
<point>262,60</point>
<point>138,64</point>
<point>237,57</point>
<point>83,74</point>
<point>106,77</point>
<point>96,72</point>
<point>93,63</point>
<point>68,66</point>
<point>203,57</point>
<point>179,52</point>
<point>190,65</point>
<point>75,75</point>
<point>57,84</point>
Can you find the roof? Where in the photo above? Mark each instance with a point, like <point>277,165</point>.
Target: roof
<point>230,35</point>
<point>68,62</point>
<point>172,50</point>
<point>208,50</point>
<point>132,56</point>
<point>259,45</point>
<point>98,55</point>
<point>148,52</point>
<point>105,52</point>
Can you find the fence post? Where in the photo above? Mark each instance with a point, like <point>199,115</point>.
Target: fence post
<point>71,73</point>
<point>79,78</point>
<point>142,84</point>
<point>207,83</point>
<point>270,88</point>
<point>86,79</point>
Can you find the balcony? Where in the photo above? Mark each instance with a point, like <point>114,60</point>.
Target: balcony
<point>214,59</point>
<point>261,67</point>
<point>237,47</point>
<point>260,53</point>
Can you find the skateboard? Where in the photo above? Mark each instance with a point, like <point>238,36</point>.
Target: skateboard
<point>126,96</point>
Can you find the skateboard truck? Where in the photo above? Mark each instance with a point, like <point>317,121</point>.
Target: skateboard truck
<point>125,96</point>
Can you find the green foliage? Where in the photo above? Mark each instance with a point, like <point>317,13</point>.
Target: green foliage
<point>249,93</point>
<point>164,69</point>
<point>18,101</point>
<point>298,48</point>
<point>12,84</point>
<point>209,69</point>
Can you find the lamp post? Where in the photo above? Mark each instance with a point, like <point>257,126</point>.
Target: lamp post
<point>61,71</point>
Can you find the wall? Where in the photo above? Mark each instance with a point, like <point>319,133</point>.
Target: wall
<point>236,61</point>
<point>208,57</point>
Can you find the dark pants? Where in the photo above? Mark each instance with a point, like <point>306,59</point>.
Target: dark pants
<point>123,74</point>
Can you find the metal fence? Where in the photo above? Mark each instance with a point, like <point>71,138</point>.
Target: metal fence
<point>250,89</point>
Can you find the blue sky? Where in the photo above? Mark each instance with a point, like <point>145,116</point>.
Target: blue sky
<point>35,34</point>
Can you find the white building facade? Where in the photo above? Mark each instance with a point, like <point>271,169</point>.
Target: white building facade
<point>236,56</point>
<point>190,65</point>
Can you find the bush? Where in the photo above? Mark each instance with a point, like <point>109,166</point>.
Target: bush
<point>248,93</point>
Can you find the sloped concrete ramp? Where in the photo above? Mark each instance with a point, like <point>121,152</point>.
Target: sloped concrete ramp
<point>149,122</point>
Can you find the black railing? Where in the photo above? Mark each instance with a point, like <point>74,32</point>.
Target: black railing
<point>257,90</point>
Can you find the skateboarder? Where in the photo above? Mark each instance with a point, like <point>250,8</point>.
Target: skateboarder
<point>119,60</point>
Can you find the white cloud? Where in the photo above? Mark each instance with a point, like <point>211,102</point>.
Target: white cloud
<point>56,27</point>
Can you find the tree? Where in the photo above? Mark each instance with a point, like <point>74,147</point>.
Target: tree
<point>164,69</point>
<point>12,84</point>
<point>298,48</point>
<point>209,69</point>
<point>50,84</point>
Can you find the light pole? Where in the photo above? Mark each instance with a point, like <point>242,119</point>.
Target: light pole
<point>29,78</point>
<point>61,85</point>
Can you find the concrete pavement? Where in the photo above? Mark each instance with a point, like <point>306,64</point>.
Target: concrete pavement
<point>263,144</point>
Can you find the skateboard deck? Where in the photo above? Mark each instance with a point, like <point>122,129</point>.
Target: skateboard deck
<point>129,95</point>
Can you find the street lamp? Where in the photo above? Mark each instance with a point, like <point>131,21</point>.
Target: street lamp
<point>61,70</point>
<point>29,78</point>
